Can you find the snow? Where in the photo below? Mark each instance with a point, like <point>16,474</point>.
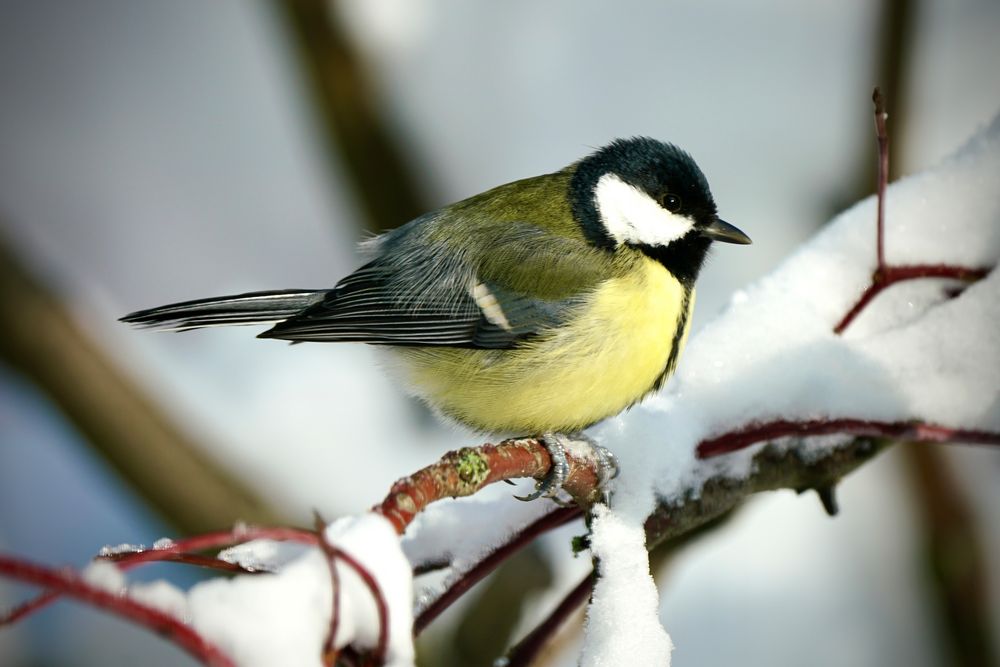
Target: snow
<point>104,575</point>
<point>263,555</point>
<point>916,355</point>
<point>161,595</point>
<point>625,597</point>
<point>124,548</point>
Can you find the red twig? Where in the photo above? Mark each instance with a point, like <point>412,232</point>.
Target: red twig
<point>882,137</point>
<point>887,276</point>
<point>550,521</point>
<point>781,428</point>
<point>177,552</point>
<point>209,563</point>
<point>334,553</point>
<point>70,583</point>
<point>180,551</point>
<point>380,605</point>
<point>330,652</point>
<point>216,540</point>
<point>525,651</point>
<point>28,607</point>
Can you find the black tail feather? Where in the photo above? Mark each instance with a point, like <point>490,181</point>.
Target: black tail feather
<point>249,308</point>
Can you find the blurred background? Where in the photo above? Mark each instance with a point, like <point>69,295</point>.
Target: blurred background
<point>160,151</point>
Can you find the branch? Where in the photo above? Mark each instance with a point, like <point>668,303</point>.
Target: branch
<point>525,651</point>
<point>160,463</point>
<point>330,652</point>
<point>179,551</point>
<point>70,583</point>
<point>886,275</point>
<point>450,477</point>
<point>29,607</point>
<point>216,540</point>
<point>333,554</point>
<point>475,574</point>
<point>755,433</point>
<point>953,561</point>
<point>127,557</point>
<point>349,117</point>
<point>882,138</point>
<point>774,467</point>
<point>466,471</point>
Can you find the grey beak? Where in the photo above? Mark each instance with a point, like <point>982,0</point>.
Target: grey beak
<point>720,230</point>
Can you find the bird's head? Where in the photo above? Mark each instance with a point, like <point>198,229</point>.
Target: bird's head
<point>650,195</point>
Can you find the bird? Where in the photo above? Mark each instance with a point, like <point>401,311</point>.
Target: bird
<point>539,307</point>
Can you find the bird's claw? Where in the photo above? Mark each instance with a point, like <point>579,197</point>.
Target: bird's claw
<point>552,483</point>
<point>607,470</point>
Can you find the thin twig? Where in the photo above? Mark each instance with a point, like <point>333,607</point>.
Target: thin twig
<point>215,540</point>
<point>380,604</point>
<point>178,551</point>
<point>885,275</point>
<point>170,470</point>
<point>882,137</point>
<point>70,583</point>
<point>333,554</point>
<point>28,607</point>
<point>949,548</point>
<point>525,651</point>
<point>888,276</point>
<point>554,519</point>
<point>209,563</point>
<point>351,116</point>
<point>330,653</point>
<point>782,428</point>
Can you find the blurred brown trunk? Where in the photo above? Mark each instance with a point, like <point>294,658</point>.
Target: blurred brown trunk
<point>348,115</point>
<point>892,51</point>
<point>162,465</point>
<point>952,556</point>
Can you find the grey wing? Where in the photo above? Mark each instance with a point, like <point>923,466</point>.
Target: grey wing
<point>439,306</point>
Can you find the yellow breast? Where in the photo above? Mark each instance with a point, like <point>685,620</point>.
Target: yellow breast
<point>608,357</point>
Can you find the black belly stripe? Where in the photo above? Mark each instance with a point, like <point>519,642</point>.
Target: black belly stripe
<point>675,345</point>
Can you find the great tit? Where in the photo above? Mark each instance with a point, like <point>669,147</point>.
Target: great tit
<point>538,307</point>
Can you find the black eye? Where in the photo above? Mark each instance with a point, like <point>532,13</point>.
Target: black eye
<point>670,202</point>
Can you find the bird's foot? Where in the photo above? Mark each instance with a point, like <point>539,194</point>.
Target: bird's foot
<point>582,446</point>
<point>550,485</point>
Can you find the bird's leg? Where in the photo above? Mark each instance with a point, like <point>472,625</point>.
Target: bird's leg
<point>581,446</point>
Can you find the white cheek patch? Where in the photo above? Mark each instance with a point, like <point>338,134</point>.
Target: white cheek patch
<point>632,216</point>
